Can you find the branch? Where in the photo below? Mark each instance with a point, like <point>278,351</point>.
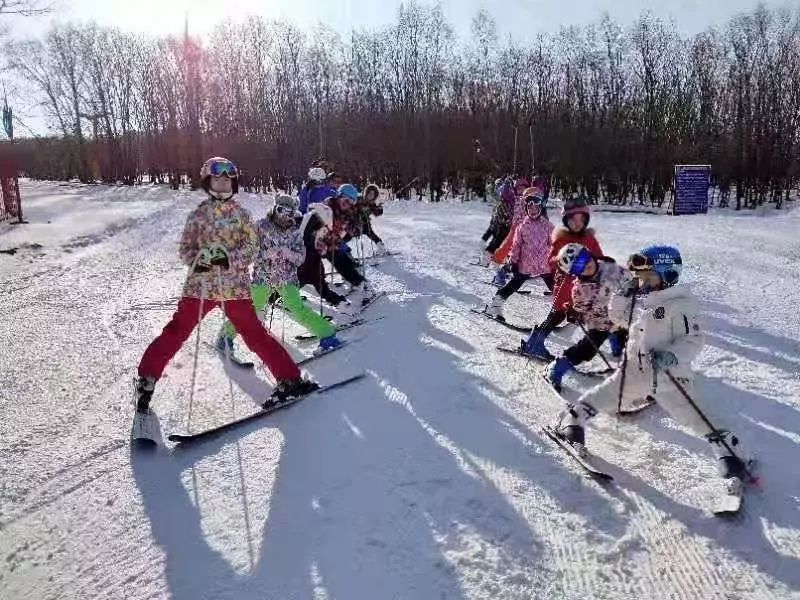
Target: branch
<point>25,8</point>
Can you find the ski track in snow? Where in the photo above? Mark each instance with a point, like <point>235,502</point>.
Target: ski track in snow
<point>428,479</point>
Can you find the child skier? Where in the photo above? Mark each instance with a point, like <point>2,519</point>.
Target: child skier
<point>517,214</point>
<point>500,224</point>
<point>575,217</point>
<point>665,338</point>
<point>529,251</point>
<point>367,207</point>
<point>316,189</point>
<point>280,253</point>
<point>218,245</point>
<point>597,280</point>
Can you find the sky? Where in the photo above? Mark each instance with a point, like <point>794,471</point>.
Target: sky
<point>518,18</point>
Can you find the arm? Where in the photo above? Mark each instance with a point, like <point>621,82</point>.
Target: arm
<point>516,245</point>
<point>189,245</point>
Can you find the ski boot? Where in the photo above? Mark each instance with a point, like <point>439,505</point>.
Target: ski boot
<point>501,277</point>
<point>327,344</point>
<point>289,389</point>
<point>495,309</point>
<point>556,371</point>
<point>569,428</point>
<point>733,468</point>
<point>145,386</point>
<point>534,346</point>
<point>223,344</point>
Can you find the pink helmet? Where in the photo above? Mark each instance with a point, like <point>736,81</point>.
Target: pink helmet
<point>575,206</point>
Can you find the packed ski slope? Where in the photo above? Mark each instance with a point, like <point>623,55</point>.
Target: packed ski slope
<point>427,479</point>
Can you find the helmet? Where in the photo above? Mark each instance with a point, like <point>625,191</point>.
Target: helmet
<point>217,166</point>
<point>533,197</point>
<point>316,174</point>
<point>285,204</point>
<point>664,260</point>
<point>372,187</point>
<point>323,211</point>
<point>575,206</point>
<point>573,258</point>
<point>347,190</point>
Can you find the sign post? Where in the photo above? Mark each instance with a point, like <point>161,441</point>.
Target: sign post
<point>691,189</point>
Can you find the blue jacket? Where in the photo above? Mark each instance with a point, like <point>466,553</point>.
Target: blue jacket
<point>314,195</point>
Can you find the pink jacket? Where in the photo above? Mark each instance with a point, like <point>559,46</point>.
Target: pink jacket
<point>531,247</point>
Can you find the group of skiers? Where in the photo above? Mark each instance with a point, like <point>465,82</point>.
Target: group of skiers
<point>219,244</point>
<point>649,318</point>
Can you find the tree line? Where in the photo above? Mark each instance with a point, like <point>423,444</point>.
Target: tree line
<point>603,110</point>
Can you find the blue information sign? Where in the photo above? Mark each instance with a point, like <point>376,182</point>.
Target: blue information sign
<point>691,189</point>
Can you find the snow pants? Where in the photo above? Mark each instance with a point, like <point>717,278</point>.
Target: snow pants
<point>311,273</point>
<point>242,315</point>
<point>515,283</point>
<point>640,383</point>
<point>293,302</point>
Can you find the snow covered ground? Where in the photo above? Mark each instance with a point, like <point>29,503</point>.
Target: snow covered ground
<point>429,479</point>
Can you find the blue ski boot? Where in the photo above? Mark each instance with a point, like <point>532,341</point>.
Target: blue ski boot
<point>224,342</point>
<point>329,343</point>
<point>556,371</point>
<point>535,347</point>
<point>501,277</point>
<point>617,343</point>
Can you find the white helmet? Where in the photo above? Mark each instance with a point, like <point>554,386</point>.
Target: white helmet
<point>219,165</point>
<point>573,258</point>
<point>317,174</point>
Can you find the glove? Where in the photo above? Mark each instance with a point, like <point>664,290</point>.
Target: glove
<point>573,316</point>
<point>219,257</point>
<point>343,247</point>
<point>662,360</point>
<point>202,262</point>
<point>628,287</point>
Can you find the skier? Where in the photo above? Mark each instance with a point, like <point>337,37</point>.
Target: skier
<point>346,222</point>
<point>280,253</point>
<point>529,251</point>
<point>500,223</point>
<point>518,213</point>
<point>316,189</point>
<point>665,338</point>
<point>218,244</point>
<point>575,216</point>
<point>597,280</point>
<point>367,207</point>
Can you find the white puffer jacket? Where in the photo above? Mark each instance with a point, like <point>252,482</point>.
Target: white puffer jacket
<point>665,320</point>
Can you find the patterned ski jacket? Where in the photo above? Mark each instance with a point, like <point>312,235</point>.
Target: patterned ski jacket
<point>591,297</point>
<point>531,247</point>
<point>224,223</point>
<point>280,253</point>
<point>562,294</point>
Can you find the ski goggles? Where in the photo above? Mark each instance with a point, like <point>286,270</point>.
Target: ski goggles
<point>284,211</point>
<point>218,168</point>
<point>639,262</point>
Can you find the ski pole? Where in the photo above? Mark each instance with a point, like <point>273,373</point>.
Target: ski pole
<point>227,346</point>
<point>596,348</point>
<point>708,423</point>
<point>624,364</point>
<point>196,347</point>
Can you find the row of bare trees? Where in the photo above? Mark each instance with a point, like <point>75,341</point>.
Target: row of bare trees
<point>604,110</point>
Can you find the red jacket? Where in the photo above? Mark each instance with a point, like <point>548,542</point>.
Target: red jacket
<point>562,296</point>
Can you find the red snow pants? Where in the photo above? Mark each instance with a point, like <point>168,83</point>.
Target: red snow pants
<point>243,316</point>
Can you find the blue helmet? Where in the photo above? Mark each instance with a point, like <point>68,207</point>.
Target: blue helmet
<point>348,190</point>
<point>664,260</point>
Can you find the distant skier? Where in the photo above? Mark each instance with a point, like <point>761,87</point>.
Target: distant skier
<point>664,340</point>
<point>218,244</point>
<point>575,217</point>
<point>530,250</point>
<point>316,189</point>
<point>280,252</point>
<point>367,207</point>
<point>597,280</point>
<point>500,223</point>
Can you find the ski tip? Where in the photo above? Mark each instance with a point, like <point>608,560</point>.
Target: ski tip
<point>144,444</point>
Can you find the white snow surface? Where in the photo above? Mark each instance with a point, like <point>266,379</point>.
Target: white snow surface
<point>430,478</point>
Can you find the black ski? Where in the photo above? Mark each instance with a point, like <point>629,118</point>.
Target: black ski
<point>183,438</point>
<point>522,292</point>
<point>518,352</point>
<point>584,462</point>
<point>371,300</point>
<point>504,323</point>
<point>304,337</point>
